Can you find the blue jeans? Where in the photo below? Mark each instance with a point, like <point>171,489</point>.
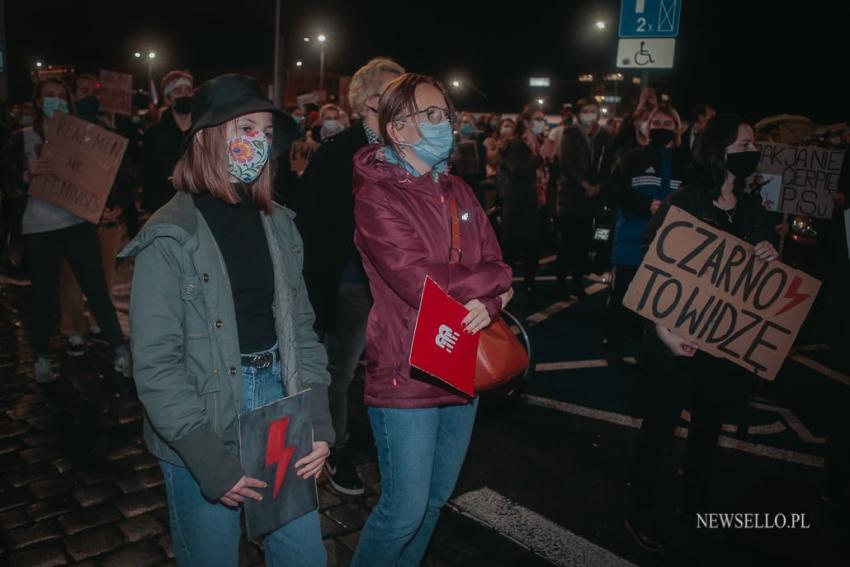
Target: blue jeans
<point>206,534</point>
<point>420,454</point>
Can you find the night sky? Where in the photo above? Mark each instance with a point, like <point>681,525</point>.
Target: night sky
<point>757,58</point>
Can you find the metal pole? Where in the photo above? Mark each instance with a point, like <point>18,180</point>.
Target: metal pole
<point>276,89</point>
<point>4,81</point>
<point>322,70</point>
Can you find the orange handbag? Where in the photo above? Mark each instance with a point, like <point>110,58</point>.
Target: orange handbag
<point>501,357</point>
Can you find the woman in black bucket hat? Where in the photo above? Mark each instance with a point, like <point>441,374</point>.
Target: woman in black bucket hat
<point>221,324</point>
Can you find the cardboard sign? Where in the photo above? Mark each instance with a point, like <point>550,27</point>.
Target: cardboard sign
<point>441,347</point>
<point>116,92</point>
<point>707,286</point>
<point>798,180</point>
<point>84,159</point>
<point>299,156</point>
<point>271,440</point>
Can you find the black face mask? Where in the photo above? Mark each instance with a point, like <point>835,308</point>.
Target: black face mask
<point>743,164</point>
<point>183,105</point>
<point>661,136</point>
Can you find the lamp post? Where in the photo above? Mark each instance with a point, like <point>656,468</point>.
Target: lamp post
<point>322,39</point>
<point>151,55</point>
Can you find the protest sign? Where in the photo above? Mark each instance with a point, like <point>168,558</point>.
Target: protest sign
<point>84,159</point>
<point>707,286</point>
<point>272,439</point>
<point>441,347</point>
<point>798,180</point>
<point>299,156</point>
<point>116,92</point>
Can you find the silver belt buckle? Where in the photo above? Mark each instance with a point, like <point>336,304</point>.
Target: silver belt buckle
<point>263,361</point>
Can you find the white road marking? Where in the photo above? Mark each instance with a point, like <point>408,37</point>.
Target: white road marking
<point>768,429</point>
<point>578,364</point>
<point>634,422</point>
<point>541,316</point>
<point>793,422</point>
<point>534,532</point>
<point>820,368</point>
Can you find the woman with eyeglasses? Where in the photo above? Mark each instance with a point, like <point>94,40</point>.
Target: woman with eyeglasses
<point>402,214</point>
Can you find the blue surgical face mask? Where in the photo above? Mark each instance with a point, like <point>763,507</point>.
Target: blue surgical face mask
<point>538,127</point>
<point>467,130</point>
<point>53,104</point>
<point>436,142</point>
<point>331,128</point>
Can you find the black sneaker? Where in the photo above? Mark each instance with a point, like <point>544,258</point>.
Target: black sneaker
<point>341,473</point>
<point>75,346</point>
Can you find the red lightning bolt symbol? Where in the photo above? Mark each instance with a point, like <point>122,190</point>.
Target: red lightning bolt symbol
<point>794,296</point>
<point>277,453</point>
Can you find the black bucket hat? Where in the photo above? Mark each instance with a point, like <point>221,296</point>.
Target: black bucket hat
<point>229,96</point>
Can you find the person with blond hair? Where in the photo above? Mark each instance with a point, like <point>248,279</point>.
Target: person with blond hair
<point>333,270</point>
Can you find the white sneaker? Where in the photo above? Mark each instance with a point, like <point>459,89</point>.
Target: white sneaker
<point>123,363</point>
<point>75,346</point>
<point>43,373</point>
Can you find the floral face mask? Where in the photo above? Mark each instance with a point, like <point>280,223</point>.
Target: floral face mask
<point>247,154</point>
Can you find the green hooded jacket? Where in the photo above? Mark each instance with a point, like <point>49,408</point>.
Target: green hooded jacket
<point>186,359</point>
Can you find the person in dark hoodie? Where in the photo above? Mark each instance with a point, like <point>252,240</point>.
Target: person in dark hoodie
<point>161,142</point>
<point>403,197</point>
<point>221,325</point>
<point>641,179</point>
<point>333,270</point>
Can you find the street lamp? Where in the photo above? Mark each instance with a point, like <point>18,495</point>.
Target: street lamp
<point>456,84</point>
<point>39,64</point>
<point>299,63</point>
<point>151,55</point>
<point>600,25</point>
<point>322,39</point>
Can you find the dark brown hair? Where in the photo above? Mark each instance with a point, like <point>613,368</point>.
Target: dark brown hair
<point>38,119</point>
<point>203,168</point>
<point>399,101</point>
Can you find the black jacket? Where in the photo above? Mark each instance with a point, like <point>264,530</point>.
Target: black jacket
<point>324,202</point>
<point>520,211</point>
<point>583,160</point>
<point>160,151</point>
<point>696,200</point>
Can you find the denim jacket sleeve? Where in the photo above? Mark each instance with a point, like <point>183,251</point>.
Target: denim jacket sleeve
<point>172,402</point>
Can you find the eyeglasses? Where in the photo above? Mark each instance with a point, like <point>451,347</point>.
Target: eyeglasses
<point>434,114</point>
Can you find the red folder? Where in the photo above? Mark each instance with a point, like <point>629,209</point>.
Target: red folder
<point>441,347</point>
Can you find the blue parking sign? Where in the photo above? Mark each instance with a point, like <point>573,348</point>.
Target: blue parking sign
<point>650,18</point>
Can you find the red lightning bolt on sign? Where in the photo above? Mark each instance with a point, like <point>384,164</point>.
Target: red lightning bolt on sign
<point>276,453</point>
<point>794,296</point>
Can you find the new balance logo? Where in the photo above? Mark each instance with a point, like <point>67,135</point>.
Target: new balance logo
<point>446,338</point>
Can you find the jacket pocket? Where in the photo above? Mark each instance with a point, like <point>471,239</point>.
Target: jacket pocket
<point>194,319</point>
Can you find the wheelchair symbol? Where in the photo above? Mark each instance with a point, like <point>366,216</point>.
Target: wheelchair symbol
<point>642,56</point>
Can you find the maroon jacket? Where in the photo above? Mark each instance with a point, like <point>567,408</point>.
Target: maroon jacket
<point>403,232</point>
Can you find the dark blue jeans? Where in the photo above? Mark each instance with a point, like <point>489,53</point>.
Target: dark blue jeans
<point>420,454</point>
<point>206,534</point>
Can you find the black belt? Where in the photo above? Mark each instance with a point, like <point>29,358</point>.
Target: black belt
<point>260,361</point>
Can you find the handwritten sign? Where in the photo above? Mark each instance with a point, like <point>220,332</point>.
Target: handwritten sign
<point>84,160</point>
<point>798,180</point>
<point>707,286</point>
<point>116,92</point>
<point>272,439</point>
<point>299,156</point>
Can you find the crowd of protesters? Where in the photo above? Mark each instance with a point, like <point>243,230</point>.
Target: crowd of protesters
<point>370,226</point>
